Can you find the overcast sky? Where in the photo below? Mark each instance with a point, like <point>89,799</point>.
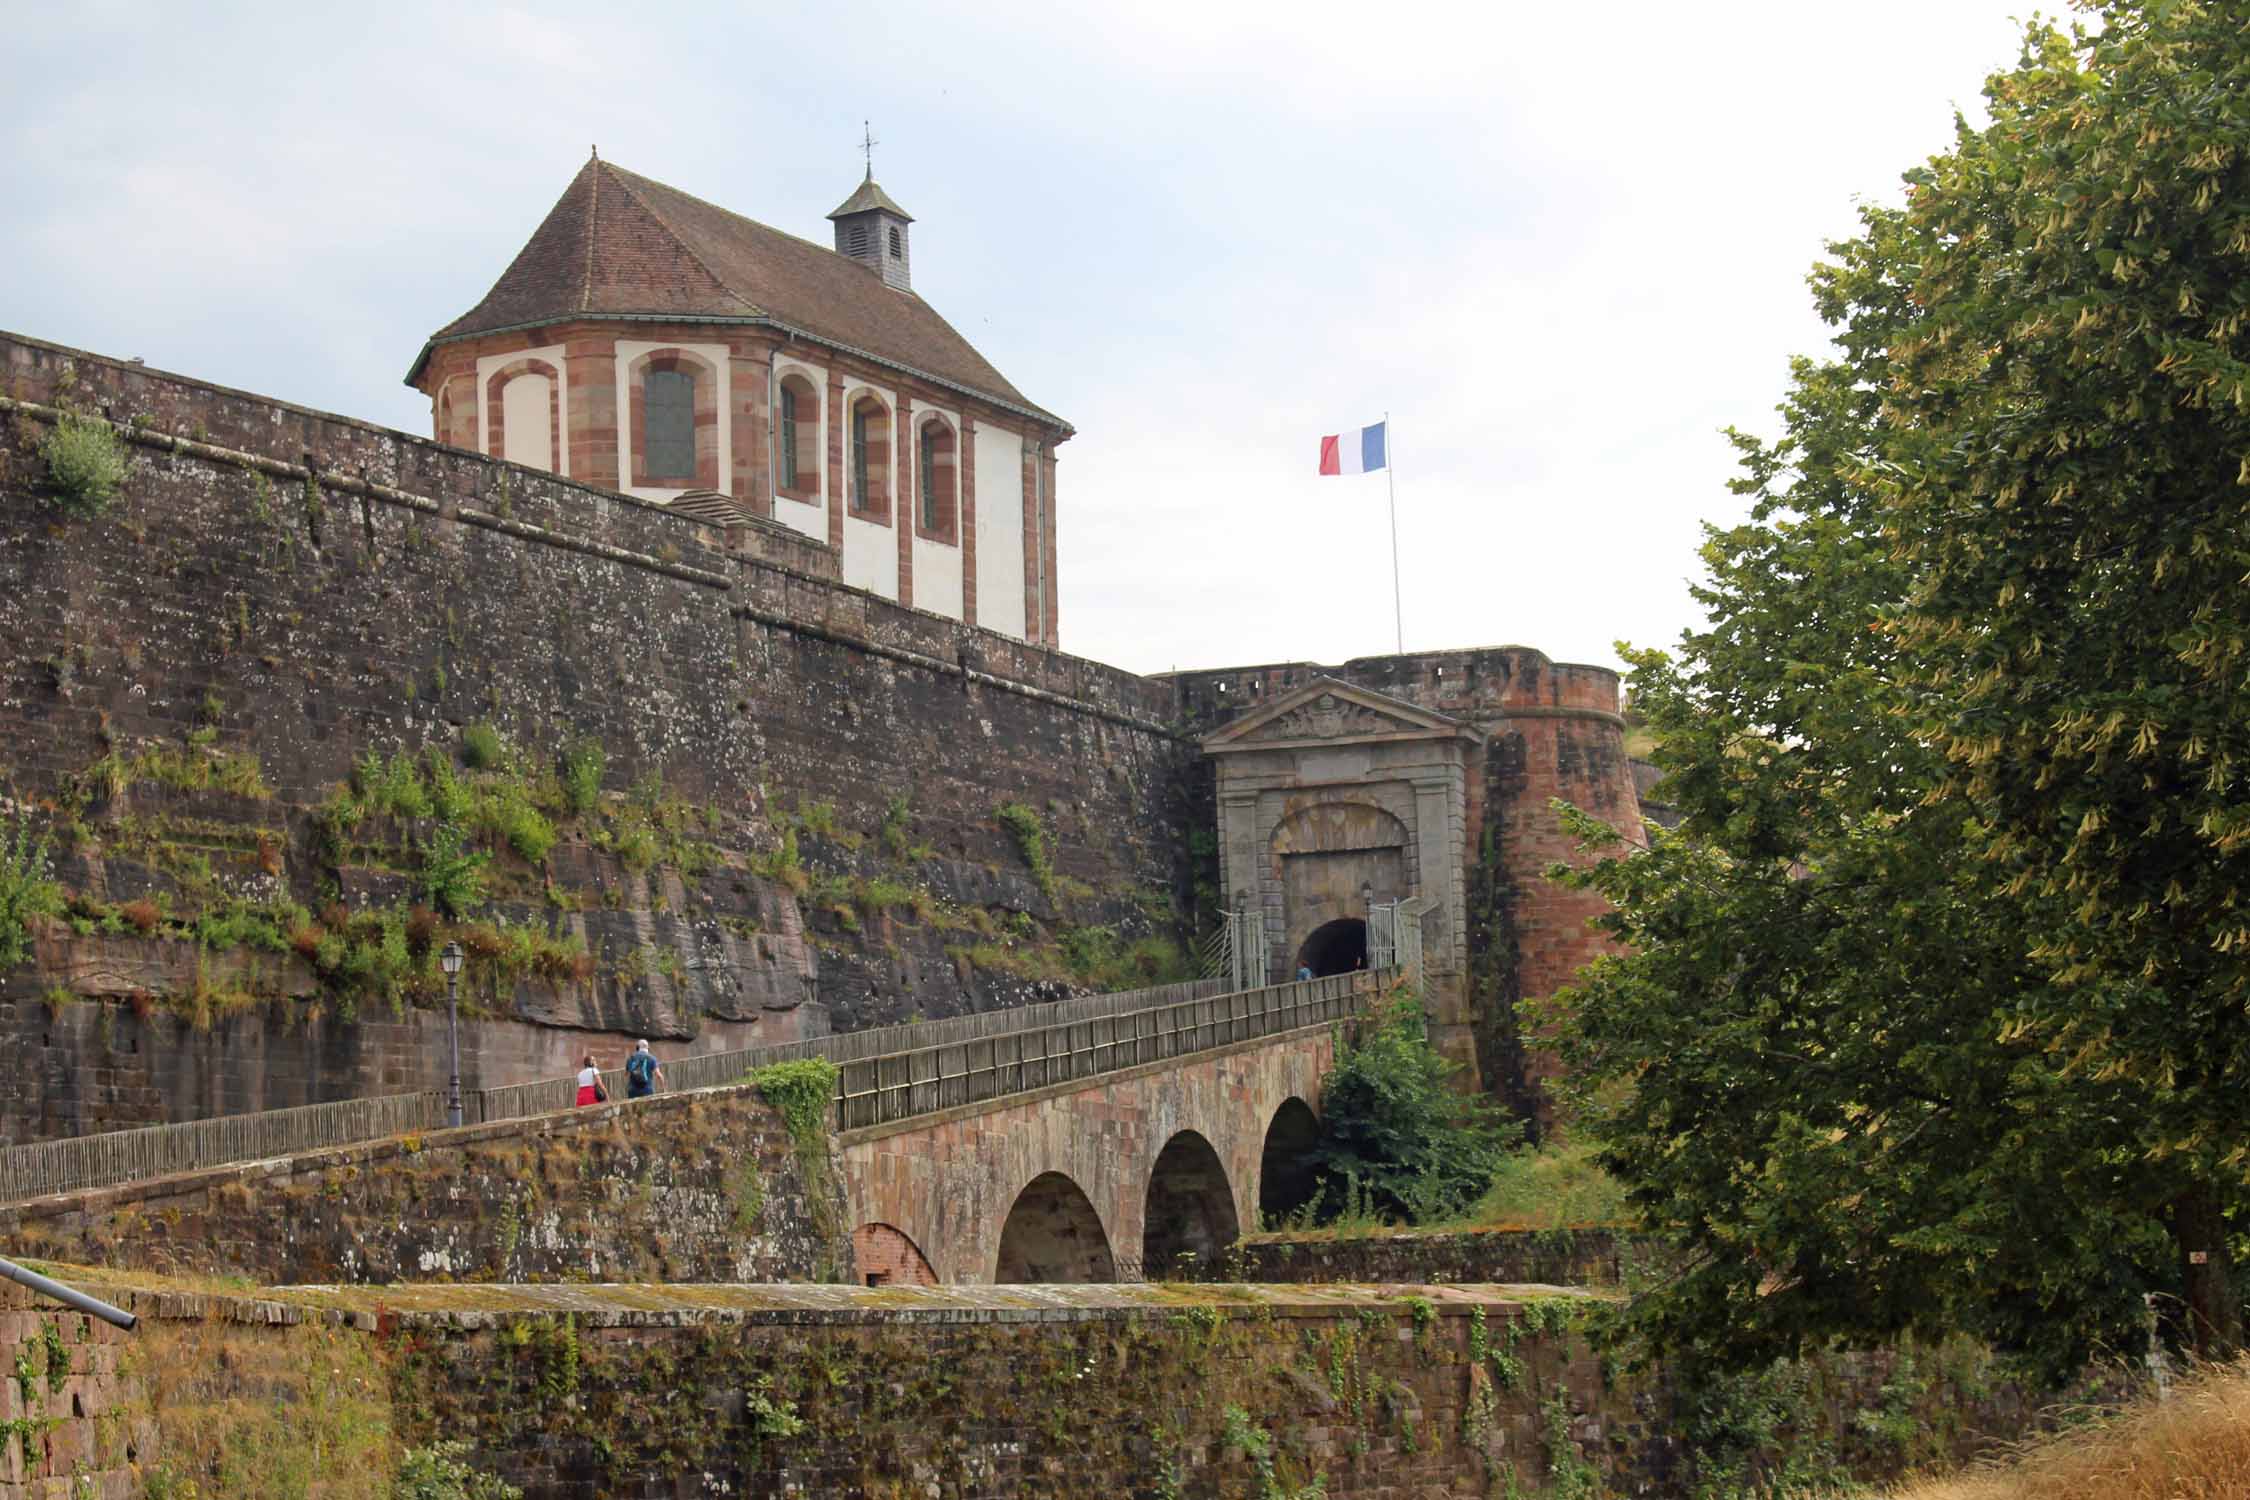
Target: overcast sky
<point>1562,245</point>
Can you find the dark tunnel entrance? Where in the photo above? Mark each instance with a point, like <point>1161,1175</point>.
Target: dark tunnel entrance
<point>1336,947</point>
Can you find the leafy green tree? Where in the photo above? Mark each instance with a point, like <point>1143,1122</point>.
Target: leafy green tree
<point>1933,1014</point>
<point>1396,1138</point>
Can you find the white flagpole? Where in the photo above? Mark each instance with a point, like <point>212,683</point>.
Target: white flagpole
<point>1390,473</point>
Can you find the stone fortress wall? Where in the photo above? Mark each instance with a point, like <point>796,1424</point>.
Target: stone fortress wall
<point>308,588</point>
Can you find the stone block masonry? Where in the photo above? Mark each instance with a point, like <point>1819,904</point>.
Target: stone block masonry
<point>1000,1393</point>
<point>702,1186</point>
<point>306,589</point>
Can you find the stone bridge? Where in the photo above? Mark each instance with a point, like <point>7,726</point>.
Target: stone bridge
<point>1102,1179</point>
<point>1104,1139</point>
<point>1097,1150</point>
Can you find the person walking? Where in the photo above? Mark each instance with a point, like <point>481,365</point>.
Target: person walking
<point>590,1087</point>
<point>642,1072</point>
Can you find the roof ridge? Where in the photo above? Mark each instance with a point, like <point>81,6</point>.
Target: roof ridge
<point>680,239</point>
<point>721,208</point>
<point>593,217</point>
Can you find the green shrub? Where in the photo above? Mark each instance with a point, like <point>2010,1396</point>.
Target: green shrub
<point>803,1093</point>
<point>441,1472</point>
<point>27,889</point>
<point>1393,1131</point>
<point>391,787</point>
<point>482,748</point>
<point>452,876</point>
<point>527,832</point>
<point>582,765</point>
<point>86,464</point>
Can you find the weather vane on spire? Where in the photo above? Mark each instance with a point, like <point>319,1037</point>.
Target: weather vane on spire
<point>867,145</point>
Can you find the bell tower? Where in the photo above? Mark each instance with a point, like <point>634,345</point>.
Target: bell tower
<point>872,230</point>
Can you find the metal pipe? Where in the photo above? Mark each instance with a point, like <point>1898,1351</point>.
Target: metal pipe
<point>68,1296</point>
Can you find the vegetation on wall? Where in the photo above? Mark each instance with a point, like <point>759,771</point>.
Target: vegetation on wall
<point>1949,942</point>
<point>86,464</point>
<point>27,888</point>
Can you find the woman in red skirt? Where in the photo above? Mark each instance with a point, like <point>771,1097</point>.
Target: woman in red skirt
<point>590,1090</point>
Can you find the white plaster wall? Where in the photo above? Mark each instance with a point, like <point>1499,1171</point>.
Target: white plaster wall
<point>528,420</point>
<point>810,518</point>
<point>490,364</point>
<point>715,355</point>
<point>870,558</point>
<point>937,578</point>
<point>999,531</point>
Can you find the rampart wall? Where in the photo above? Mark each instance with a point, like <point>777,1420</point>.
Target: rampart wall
<point>981,1393</point>
<point>305,589</point>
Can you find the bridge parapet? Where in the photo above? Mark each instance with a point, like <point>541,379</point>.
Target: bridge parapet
<point>880,1090</point>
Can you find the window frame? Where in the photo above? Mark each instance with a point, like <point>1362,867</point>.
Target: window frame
<point>870,489</point>
<point>942,526</point>
<point>670,444</point>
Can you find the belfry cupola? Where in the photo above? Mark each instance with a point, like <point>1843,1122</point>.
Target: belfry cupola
<point>871,229</point>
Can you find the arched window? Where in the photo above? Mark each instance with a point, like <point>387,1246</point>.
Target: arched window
<point>898,244</point>
<point>674,422</point>
<point>871,459</point>
<point>796,457</point>
<point>671,426</point>
<point>940,487</point>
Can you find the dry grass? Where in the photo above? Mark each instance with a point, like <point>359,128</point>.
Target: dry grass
<point>2195,1446</point>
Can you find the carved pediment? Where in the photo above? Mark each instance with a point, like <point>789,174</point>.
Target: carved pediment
<point>1328,717</point>
<point>1332,711</point>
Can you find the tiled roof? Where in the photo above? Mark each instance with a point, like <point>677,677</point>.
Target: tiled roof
<point>616,243</point>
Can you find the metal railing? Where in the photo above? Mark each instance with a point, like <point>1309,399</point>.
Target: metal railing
<point>882,1090</point>
<point>116,1156</point>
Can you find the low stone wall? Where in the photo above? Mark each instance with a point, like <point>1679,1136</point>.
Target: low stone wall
<point>684,1187</point>
<point>990,1393</point>
<point>1557,1257</point>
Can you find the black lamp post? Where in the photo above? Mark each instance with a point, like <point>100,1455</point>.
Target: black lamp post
<point>450,961</point>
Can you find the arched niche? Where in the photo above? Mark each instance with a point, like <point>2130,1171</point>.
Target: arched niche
<point>884,1255</point>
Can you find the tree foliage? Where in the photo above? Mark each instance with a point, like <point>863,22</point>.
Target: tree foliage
<point>1934,1014</point>
<point>1396,1139</point>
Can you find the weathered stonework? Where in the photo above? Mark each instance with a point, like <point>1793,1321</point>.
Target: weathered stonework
<point>953,1184</point>
<point>981,1393</point>
<point>305,589</point>
<point>1547,731</point>
<point>690,1187</point>
<point>1556,1257</point>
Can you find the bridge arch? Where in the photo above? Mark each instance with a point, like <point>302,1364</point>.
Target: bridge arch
<point>1285,1166</point>
<point>1189,1214</point>
<point>1053,1234</point>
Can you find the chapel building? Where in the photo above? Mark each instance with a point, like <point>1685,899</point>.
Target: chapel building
<point>648,342</point>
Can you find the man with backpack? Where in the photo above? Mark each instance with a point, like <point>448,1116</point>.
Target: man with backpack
<point>642,1072</point>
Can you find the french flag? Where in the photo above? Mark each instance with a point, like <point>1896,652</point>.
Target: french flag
<point>1360,451</point>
